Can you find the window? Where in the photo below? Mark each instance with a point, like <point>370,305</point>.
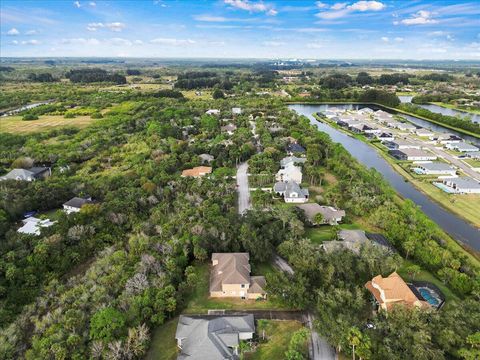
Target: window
<point>243,286</point>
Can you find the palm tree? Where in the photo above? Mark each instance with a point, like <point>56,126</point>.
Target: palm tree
<point>354,339</point>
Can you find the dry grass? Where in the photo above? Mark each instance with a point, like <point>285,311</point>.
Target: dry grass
<point>15,124</point>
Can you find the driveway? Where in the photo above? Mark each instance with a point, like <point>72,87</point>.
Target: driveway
<point>242,188</point>
<point>319,348</point>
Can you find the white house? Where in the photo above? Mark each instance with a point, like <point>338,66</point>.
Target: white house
<point>291,192</point>
<point>212,112</point>
<point>290,172</point>
<point>406,127</point>
<point>424,133</point>
<point>400,144</point>
<point>435,168</point>
<point>462,147</point>
<point>75,204</point>
<point>462,185</point>
<point>236,111</point>
<point>31,174</point>
<point>33,225</point>
<point>413,155</point>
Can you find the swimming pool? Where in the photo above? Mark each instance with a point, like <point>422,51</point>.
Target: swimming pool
<point>418,171</point>
<point>429,295</point>
<point>444,187</point>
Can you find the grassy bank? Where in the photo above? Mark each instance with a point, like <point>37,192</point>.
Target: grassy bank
<point>163,345</point>
<point>453,107</point>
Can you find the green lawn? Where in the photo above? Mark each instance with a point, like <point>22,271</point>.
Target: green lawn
<point>425,275</point>
<point>199,302</point>
<point>278,334</point>
<point>163,345</point>
<point>319,234</point>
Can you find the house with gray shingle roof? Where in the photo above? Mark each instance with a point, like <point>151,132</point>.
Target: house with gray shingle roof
<point>212,337</point>
<point>291,192</point>
<point>330,215</point>
<point>75,204</point>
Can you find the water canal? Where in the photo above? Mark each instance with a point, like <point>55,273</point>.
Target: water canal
<point>458,228</point>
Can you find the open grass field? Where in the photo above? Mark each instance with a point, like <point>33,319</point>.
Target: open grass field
<point>278,334</point>
<point>15,124</point>
<point>472,162</point>
<point>163,345</point>
<point>199,301</point>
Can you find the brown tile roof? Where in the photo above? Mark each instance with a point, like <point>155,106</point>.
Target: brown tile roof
<point>395,291</point>
<point>232,268</point>
<point>197,171</point>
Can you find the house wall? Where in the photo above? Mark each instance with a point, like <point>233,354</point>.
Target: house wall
<point>296,200</point>
<point>231,290</point>
<point>255,296</point>
<point>245,335</point>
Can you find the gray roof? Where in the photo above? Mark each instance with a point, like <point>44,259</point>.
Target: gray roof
<point>352,235</point>
<point>329,213</point>
<point>473,154</point>
<point>463,182</point>
<point>436,166</point>
<point>292,160</point>
<point>466,147</point>
<point>280,186</point>
<point>292,187</point>
<point>77,202</point>
<point>24,173</point>
<point>211,337</point>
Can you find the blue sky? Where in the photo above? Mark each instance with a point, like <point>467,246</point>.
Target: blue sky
<point>242,29</point>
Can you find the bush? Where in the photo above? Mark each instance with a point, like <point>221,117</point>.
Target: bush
<point>28,117</point>
<point>69,115</point>
<point>97,115</point>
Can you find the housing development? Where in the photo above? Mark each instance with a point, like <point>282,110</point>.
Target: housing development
<point>239,180</point>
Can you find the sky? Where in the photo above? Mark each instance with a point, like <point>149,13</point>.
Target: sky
<point>296,29</point>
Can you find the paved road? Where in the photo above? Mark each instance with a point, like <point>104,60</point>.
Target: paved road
<point>242,187</point>
<point>282,265</point>
<point>319,348</point>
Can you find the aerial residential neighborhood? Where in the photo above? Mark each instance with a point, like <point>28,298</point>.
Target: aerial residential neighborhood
<point>239,180</point>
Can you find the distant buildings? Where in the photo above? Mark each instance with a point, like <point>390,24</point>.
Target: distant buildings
<point>435,168</point>
<point>462,147</point>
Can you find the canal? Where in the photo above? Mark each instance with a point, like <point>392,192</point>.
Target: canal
<point>442,110</point>
<point>450,223</point>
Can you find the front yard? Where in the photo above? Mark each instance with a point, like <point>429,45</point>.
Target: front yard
<point>199,301</point>
<point>318,235</point>
<point>163,345</point>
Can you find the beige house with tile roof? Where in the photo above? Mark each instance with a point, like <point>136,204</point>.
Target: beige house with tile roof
<point>230,277</point>
<point>393,290</point>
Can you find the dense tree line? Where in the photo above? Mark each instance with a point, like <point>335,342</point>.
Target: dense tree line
<point>42,77</point>
<point>380,97</point>
<point>91,75</point>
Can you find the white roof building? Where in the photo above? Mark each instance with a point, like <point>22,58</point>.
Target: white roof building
<point>290,172</point>
<point>33,225</point>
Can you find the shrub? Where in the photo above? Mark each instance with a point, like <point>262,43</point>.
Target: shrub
<point>28,117</point>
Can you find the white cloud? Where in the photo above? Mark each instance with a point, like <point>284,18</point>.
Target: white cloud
<point>138,42</point>
<point>114,26</point>
<point>421,17</point>
<point>252,6</point>
<point>14,42</point>
<point>172,41</point>
<point>120,42</point>
<point>13,32</point>
<point>92,3</point>
<point>80,41</point>
<point>339,6</point>
<point>321,5</point>
<point>437,33</point>
<point>339,10</point>
<point>209,18</point>
<point>367,6</point>
<point>314,45</point>
<point>31,32</point>
<point>385,39</point>
<point>273,43</point>
<point>399,39</point>
<point>30,42</point>
<point>77,4</point>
